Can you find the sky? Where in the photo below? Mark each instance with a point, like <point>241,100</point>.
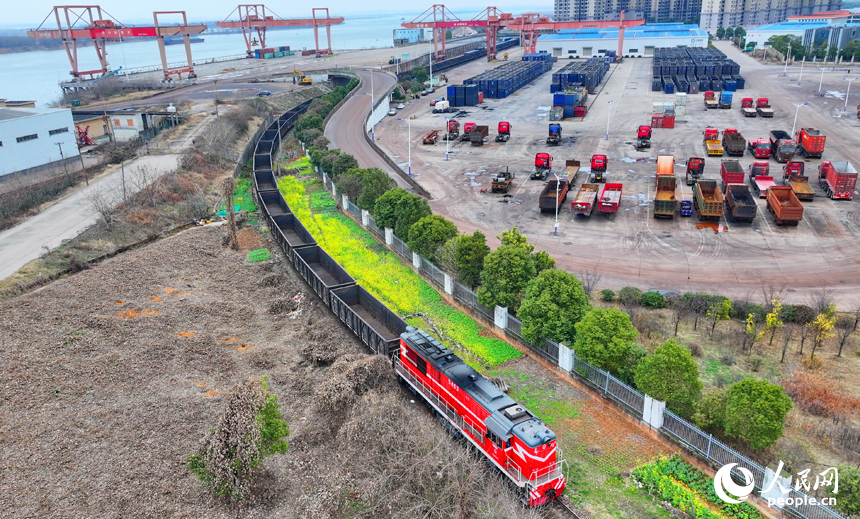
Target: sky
<point>30,14</point>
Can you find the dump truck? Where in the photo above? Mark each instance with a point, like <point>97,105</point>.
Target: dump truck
<point>792,176</point>
<point>586,198</point>
<point>664,198</point>
<point>740,205</point>
<point>759,148</point>
<point>734,143</point>
<point>610,198</point>
<point>644,131</point>
<point>695,168</point>
<point>643,137</point>
<point>478,134</point>
<point>467,129</point>
<point>810,143</point>
<point>712,143</point>
<point>837,179</point>
<point>502,181</point>
<point>784,205</point>
<point>571,168</point>
<point>760,178</point>
<point>762,106</point>
<point>598,168</point>
<point>731,172</point>
<point>553,195</point>
<point>782,147</point>
<point>726,99</point>
<point>453,130</point>
<point>711,100</point>
<point>504,132</point>
<point>554,137</point>
<point>708,200</point>
<point>747,107</point>
<point>543,165</point>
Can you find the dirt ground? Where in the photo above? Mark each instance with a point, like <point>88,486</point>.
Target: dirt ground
<point>631,247</point>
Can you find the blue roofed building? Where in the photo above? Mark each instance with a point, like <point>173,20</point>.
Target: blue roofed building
<point>812,33</point>
<point>638,41</point>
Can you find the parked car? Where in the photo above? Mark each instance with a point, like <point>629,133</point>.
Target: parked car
<point>433,102</point>
<point>264,93</point>
<point>392,112</point>
<point>400,106</point>
<point>431,90</point>
<point>424,93</point>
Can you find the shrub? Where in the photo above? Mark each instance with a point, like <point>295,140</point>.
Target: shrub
<point>695,349</point>
<point>755,363</point>
<point>653,300</point>
<point>728,360</point>
<point>755,412</point>
<point>710,411</point>
<point>671,375</point>
<point>553,304</point>
<point>820,397</point>
<point>607,295</point>
<point>604,338</point>
<point>630,297</point>
<point>428,233</point>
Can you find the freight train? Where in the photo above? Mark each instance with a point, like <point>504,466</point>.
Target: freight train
<point>513,439</point>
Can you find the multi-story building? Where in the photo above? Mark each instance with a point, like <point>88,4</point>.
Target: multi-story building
<point>650,10</point>
<point>753,13</point>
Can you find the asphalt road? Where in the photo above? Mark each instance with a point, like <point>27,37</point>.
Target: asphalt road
<point>70,216</point>
<point>345,129</point>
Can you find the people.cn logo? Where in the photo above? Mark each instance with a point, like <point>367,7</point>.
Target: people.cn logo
<point>723,483</point>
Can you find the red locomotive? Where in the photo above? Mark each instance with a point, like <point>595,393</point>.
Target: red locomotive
<point>517,442</point>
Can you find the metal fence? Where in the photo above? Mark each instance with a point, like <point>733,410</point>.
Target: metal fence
<point>616,391</point>
<point>354,209</point>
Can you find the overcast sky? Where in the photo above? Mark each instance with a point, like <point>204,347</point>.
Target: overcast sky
<point>31,13</point>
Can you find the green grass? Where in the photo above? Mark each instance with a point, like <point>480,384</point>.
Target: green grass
<point>385,276</point>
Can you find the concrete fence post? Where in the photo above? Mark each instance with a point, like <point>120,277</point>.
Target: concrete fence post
<point>652,413</point>
<point>389,236</point>
<point>345,201</point>
<point>365,216</point>
<point>416,260</point>
<point>449,285</point>
<point>333,191</point>
<point>501,317</point>
<point>774,495</point>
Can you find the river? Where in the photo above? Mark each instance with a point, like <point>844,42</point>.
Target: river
<point>35,75</point>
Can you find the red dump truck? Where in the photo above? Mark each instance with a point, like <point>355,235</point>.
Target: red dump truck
<point>586,198</point>
<point>665,166</point>
<point>837,179</point>
<point>732,172</point>
<point>792,176</point>
<point>598,168</point>
<point>782,146</point>
<point>467,129</point>
<point>553,195</point>
<point>610,198</point>
<point>784,205</point>
<point>760,178</point>
<point>810,143</point>
<point>708,200</point>
<point>759,148</point>
<point>733,142</point>
<point>740,205</point>
<point>695,168</point>
<point>504,132</point>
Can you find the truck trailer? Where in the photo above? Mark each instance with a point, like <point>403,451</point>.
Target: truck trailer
<point>782,146</point>
<point>837,179</point>
<point>478,134</point>
<point>610,198</point>
<point>784,205</point>
<point>731,172</point>
<point>810,143</point>
<point>664,198</point>
<point>733,142</point>
<point>708,200</point>
<point>740,205</point>
<point>586,198</point>
<point>553,195</point>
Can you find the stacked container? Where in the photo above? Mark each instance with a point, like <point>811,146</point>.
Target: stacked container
<point>588,73</point>
<point>507,79</point>
<point>681,105</point>
<point>694,69</point>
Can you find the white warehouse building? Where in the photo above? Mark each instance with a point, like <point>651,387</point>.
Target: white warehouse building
<point>638,41</point>
<point>32,137</point>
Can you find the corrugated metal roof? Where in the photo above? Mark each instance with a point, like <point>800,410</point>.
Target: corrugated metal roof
<point>631,33</point>
<point>788,26</point>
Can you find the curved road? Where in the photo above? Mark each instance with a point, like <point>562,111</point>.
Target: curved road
<point>345,129</point>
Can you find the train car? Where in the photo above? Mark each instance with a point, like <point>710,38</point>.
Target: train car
<point>509,435</point>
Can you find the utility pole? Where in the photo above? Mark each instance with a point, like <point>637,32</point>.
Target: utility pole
<point>122,167</point>
<point>216,98</point>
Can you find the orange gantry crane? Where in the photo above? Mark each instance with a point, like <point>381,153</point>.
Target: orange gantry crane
<point>91,22</point>
<point>439,18</point>
<point>256,17</point>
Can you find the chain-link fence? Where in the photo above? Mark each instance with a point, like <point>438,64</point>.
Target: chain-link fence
<point>402,249</point>
<point>353,209</point>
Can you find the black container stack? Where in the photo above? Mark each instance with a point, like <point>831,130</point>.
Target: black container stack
<point>694,69</point>
<point>502,81</point>
<point>588,74</point>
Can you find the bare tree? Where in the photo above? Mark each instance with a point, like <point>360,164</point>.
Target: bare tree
<point>217,138</point>
<point>769,293</point>
<point>142,179</point>
<point>590,279</point>
<point>104,200</point>
<point>821,299</point>
<point>785,340</point>
<point>228,188</point>
<point>680,308</point>
<point>844,328</point>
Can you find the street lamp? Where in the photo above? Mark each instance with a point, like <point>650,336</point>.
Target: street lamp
<point>821,82</point>
<point>409,137</point>
<point>801,70</point>
<point>608,117</point>
<point>372,125</point>
<point>557,186</point>
<point>447,140</point>
<point>216,98</point>
<point>795,116</point>
<point>787,54</point>
<point>844,108</point>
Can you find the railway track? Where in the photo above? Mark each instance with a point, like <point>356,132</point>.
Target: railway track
<point>562,503</point>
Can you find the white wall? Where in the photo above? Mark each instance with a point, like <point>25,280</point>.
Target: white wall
<point>761,37</point>
<point>609,44</point>
<point>379,113</point>
<point>17,156</point>
<point>122,130</point>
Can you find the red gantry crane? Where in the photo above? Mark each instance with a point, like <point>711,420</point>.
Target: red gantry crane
<point>256,17</point>
<point>91,22</point>
<point>530,26</point>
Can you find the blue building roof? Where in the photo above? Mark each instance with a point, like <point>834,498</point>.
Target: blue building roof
<point>657,30</point>
<point>788,26</point>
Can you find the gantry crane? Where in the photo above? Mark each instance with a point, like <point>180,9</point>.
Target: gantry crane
<point>257,17</point>
<point>439,18</point>
<point>78,22</point>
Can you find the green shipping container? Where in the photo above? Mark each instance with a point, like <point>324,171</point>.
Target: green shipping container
<point>268,55</point>
<point>279,54</point>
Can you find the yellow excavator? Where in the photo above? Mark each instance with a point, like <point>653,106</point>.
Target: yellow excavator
<point>300,78</point>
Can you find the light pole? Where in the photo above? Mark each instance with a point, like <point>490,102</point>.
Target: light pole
<point>557,186</point>
<point>795,117</point>
<point>844,108</point>
<point>801,70</point>
<point>608,117</point>
<point>447,140</point>
<point>372,125</point>
<point>821,82</point>
<point>409,137</point>
<point>787,54</point>
<point>216,98</point>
